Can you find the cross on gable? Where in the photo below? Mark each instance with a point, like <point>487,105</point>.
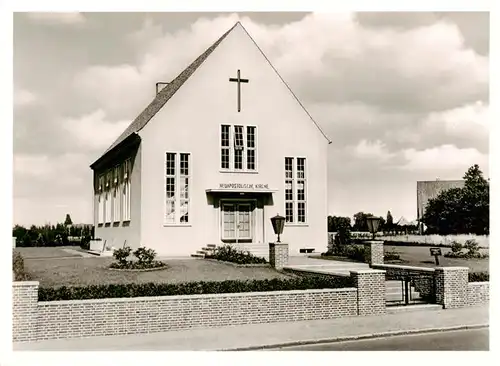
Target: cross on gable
<point>239,80</point>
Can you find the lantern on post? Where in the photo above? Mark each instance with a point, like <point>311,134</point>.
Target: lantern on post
<point>373,224</point>
<point>278,225</point>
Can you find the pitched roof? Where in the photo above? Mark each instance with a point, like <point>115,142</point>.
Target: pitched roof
<point>167,92</point>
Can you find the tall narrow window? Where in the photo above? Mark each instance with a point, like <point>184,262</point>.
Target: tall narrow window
<point>108,198</point>
<point>301,190</point>
<point>251,148</point>
<point>116,195</point>
<point>100,200</point>
<point>289,202</point>
<point>295,190</point>
<point>170,189</point>
<point>225,147</point>
<point>238,147</point>
<point>126,190</point>
<point>184,185</point>
<point>177,195</point>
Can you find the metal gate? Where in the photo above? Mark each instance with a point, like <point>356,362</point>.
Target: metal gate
<point>410,289</point>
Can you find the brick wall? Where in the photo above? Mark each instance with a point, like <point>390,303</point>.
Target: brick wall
<point>375,251</point>
<point>82,318</point>
<point>478,293</point>
<point>452,286</point>
<point>24,310</point>
<point>278,255</point>
<point>371,291</point>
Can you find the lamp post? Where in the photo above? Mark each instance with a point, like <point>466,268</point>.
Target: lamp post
<point>278,225</point>
<point>373,224</point>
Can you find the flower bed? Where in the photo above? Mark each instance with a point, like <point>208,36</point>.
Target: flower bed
<point>227,253</point>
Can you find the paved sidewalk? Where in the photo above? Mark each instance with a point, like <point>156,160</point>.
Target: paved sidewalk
<point>275,334</point>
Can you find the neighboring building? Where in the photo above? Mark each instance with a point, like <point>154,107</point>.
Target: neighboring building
<point>210,161</point>
<point>427,190</point>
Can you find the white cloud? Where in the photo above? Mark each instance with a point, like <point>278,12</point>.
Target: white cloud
<point>444,158</point>
<point>93,130</point>
<point>376,150</point>
<point>469,121</point>
<point>58,18</point>
<point>23,97</point>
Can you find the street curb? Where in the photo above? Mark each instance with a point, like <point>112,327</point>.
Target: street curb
<point>358,337</point>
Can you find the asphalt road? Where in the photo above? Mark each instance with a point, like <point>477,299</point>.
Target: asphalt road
<point>461,340</point>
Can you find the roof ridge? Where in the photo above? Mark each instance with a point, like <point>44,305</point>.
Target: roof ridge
<point>165,94</point>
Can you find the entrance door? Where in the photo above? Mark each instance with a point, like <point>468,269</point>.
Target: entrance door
<point>237,221</point>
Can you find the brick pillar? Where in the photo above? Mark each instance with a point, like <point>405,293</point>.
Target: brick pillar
<point>451,286</point>
<point>375,250</point>
<point>371,291</point>
<point>278,255</point>
<point>24,311</point>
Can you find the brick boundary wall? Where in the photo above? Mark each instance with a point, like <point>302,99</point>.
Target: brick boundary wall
<point>371,291</point>
<point>35,320</point>
<point>375,250</point>
<point>478,293</point>
<point>278,255</point>
<point>452,285</point>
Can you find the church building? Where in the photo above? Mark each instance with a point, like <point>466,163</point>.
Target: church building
<point>221,149</point>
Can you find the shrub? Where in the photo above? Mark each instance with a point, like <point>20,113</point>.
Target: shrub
<point>145,256</point>
<point>355,252</point>
<point>189,288</point>
<point>85,243</point>
<point>391,255</point>
<point>479,277</point>
<point>229,254</point>
<point>145,259</point>
<point>472,247</point>
<point>456,247</point>
<point>18,268</point>
<point>121,256</point>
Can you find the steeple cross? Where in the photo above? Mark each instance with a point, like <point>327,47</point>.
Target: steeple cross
<point>239,80</point>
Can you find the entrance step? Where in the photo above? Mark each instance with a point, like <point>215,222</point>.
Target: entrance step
<point>198,255</point>
<point>411,308</point>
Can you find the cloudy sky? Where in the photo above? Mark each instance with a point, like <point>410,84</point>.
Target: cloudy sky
<point>403,96</point>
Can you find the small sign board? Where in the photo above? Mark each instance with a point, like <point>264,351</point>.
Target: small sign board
<point>435,251</point>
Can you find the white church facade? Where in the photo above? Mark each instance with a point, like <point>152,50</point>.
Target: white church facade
<point>220,150</point>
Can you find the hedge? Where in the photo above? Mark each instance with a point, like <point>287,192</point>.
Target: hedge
<point>188,288</point>
<point>479,277</point>
<point>18,270</point>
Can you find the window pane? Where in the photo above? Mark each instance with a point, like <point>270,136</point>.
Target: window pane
<point>301,192</point>
<point>184,211</point>
<point>288,167</point>
<point>184,164</point>
<point>251,159</point>
<point>224,157</point>
<point>238,159</point>
<point>289,212</point>
<point>225,135</point>
<point>238,137</point>
<point>301,212</point>
<point>250,137</point>
<point>170,164</point>
<point>301,168</point>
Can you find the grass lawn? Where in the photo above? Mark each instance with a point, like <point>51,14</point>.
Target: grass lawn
<point>49,252</point>
<point>420,257</point>
<point>86,271</point>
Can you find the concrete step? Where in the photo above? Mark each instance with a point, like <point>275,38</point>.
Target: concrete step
<point>211,246</point>
<point>198,255</point>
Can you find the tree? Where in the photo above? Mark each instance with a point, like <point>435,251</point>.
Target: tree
<point>360,221</point>
<point>68,221</point>
<point>461,210</point>
<point>338,222</point>
<point>389,224</point>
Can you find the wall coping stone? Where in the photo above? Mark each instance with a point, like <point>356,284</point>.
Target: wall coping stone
<point>479,283</point>
<point>187,297</point>
<point>367,271</point>
<point>397,266</point>
<point>317,271</point>
<point>278,244</point>
<point>25,283</point>
<point>450,268</point>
